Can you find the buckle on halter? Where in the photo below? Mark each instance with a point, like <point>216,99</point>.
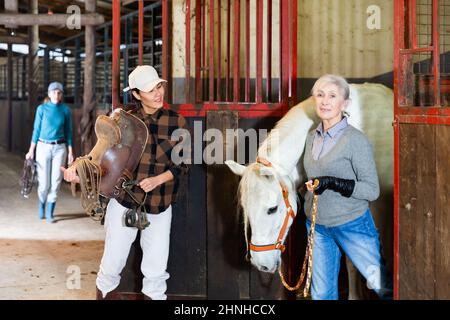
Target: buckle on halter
<point>280,246</point>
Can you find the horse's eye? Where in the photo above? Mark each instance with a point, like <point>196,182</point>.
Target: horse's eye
<point>272,210</point>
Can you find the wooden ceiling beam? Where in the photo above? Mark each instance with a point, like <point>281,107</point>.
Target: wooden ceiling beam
<point>26,19</point>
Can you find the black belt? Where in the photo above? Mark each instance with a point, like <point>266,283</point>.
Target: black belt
<point>53,142</point>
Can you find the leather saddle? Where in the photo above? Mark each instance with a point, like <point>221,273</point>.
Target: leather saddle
<point>109,167</point>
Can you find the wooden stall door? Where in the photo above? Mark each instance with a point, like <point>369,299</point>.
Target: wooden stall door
<point>422,164</point>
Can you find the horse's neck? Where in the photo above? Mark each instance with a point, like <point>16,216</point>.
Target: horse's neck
<point>285,143</point>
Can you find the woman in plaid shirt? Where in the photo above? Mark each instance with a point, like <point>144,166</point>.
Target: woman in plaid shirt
<point>158,176</point>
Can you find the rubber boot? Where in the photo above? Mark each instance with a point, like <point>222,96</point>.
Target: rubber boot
<point>41,210</point>
<point>50,210</point>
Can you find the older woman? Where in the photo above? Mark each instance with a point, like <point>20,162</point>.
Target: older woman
<point>340,157</point>
<point>52,135</point>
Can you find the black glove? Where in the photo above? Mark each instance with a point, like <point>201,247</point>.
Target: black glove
<point>343,186</point>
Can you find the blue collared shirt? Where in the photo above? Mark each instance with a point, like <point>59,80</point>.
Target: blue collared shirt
<point>325,141</point>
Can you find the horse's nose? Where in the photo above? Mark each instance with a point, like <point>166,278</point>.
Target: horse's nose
<point>264,268</point>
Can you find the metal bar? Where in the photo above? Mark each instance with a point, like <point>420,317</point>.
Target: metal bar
<point>64,68</point>
<point>46,66</point>
<point>58,19</point>
<point>9,78</point>
<point>398,45</point>
<point>284,53</point>
<point>126,59</point>
<point>237,36</point>
<point>105,64</point>
<point>269,51</point>
<point>259,51</point>
<point>141,31</point>
<point>412,23</point>
<point>227,76</point>
<point>211,51</point>
<point>293,59</point>
<point>416,50</point>
<point>247,50</point>
<point>198,52</point>
<point>188,52</point>
<point>219,48</point>
<point>436,51</point>
<point>116,54</point>
<point>165,48</point>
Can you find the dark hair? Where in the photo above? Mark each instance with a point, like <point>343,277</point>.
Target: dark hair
<point>132,97</point>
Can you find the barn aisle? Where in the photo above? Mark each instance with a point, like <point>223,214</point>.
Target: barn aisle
<point>41,260</point>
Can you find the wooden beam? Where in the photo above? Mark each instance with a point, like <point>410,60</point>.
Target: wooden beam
<point>25,19</point>
<point>19,40</point>
<point>11,6</point>
<point>88,117</point>
<point>33,67</point>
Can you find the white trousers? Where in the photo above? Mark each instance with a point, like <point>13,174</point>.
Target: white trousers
<point>49,159</point>
<point>155,240</point>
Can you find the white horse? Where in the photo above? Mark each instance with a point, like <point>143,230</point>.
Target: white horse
<point>264,209</point>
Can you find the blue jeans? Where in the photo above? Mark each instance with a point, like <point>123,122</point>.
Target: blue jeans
<point>359,240</point>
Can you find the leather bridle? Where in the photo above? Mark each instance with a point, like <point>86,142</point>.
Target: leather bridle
<point>278,245</point>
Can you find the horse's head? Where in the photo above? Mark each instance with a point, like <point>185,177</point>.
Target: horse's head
<point>269,205</point>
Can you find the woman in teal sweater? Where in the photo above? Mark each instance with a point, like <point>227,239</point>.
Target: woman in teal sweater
<point>52,136</point>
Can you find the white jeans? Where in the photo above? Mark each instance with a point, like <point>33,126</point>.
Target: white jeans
<point>155,240</point>
<point>49,159</point>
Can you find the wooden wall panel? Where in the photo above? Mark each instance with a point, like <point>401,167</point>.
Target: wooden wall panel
<point>442,227</point>
<point>423,212</point>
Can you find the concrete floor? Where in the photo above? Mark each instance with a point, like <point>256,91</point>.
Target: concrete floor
<point>39,260</point>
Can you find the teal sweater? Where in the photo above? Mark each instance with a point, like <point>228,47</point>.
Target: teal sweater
<point>350,158</point>
<point>53,122</point>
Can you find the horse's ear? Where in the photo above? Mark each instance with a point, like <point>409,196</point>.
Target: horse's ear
<point>235,167</point>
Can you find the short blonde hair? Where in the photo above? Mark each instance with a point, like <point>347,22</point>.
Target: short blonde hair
<point>339,81</point>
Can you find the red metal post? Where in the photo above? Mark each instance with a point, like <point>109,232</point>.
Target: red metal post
<point>115,74</point>
<point>237,27</point>
<point>269,50</point>
<point>198,46</point>
<point>227,76</point>
<point>188,52</point>
<point>412,23</point>
<point>165,45</point>
<point>436,52</point>
<point>284,52</point>
<point>211,51</point>
<point>247,50</point>
<point>259,50</point>
<point>293,59</point>
<point>399,33</point>
<point>219,48</point>
<point>141,31</point>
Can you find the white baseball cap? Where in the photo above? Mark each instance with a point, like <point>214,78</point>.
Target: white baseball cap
<point>144,78</point>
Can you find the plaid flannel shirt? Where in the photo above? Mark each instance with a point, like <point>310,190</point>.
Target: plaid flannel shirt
<point>156,159</point>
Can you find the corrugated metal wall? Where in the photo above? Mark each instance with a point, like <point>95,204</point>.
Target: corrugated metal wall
<point>333,37</point>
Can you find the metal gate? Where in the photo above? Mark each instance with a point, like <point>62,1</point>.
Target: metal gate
<point>422,135</point>
<point>230,82</point>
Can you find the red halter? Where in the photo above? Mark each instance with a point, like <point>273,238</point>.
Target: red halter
<point>278,245</point>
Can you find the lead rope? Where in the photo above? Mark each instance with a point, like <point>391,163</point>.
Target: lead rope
<point>89,173</point>
<point>308,260</point>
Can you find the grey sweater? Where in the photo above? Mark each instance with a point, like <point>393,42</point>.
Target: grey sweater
<point>350,158</point>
